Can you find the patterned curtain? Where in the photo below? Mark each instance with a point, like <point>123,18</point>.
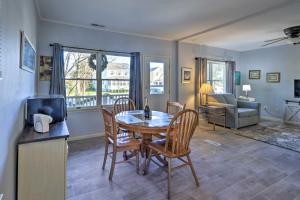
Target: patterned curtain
<point>57,81</point>
<point>200,77</point>
<point>135,86</point>
<point>230,69</point>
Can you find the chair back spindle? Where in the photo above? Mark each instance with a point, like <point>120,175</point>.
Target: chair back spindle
<point>174,107</point>
<point>123,104</point>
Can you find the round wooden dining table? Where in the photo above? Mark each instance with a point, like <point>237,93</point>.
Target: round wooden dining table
<point>134,121</point>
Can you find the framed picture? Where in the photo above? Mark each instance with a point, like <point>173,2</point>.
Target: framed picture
<point>45,68</point>
<point>186,75</point>
<point>237,78</point>
<point>27,54</point>
<point>254,74</point>
<point>273,77</point>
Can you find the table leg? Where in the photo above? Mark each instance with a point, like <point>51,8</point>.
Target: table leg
<point>146,139</point>
<point>214,123</point>
<point>224,118</point>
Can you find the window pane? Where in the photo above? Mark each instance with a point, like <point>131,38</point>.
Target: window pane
<point>156,78</point>
<point>217,76</point>
<point>117,67</point>
<point>80,65</point>
<point>114,89</point>
<point>218,71</point>
<point>81,93</point>
<point>218,86</point>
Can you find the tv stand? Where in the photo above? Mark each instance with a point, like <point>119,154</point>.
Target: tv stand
<point>292,112</point>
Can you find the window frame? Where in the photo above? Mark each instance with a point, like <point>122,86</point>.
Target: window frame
<point>98,77</point>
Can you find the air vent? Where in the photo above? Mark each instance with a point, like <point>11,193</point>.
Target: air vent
<point>97,25</point>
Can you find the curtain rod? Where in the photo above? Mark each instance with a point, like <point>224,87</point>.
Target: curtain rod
<point>51,45</point>
<point>216,60</point>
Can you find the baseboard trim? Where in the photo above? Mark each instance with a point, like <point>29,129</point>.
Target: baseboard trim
<point>86,136</point>
<point>271,118</point>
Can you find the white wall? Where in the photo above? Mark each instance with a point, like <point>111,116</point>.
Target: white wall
<point>16,85</point>
<point>283,59</point>
<point>186,58</point>
<point>90,122</point>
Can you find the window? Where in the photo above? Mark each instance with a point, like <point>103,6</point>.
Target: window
<point>80,79</point>
<point>156,78</point>
<point>115,85</point>
<point>216,75</point>
<point>93,79</point>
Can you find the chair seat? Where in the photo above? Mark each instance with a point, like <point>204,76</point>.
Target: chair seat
<point>247,112</point>
<point>129,142</point>
<point>159,146</point>
<point>129,133</point>
<point>163,135</point>
<point>124,135</point>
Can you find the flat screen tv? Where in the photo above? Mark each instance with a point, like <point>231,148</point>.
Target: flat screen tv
<point>297,88</point>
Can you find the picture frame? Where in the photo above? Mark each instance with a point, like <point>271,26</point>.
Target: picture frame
<point>254,74</point>
<point>273,77</point>
<point>45,67</point>
<point>27,53</point>
<point>186,75</point>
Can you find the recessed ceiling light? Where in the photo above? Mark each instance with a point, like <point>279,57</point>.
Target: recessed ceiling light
<point>97,25</point>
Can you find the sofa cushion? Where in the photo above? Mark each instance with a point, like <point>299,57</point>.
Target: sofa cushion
<point>230,99</point>
<point>216,98</point>
<point>247,112</point>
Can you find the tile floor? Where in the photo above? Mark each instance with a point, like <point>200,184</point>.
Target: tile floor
<point>229,167</point>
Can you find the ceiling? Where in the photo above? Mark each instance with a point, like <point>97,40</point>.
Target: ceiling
<point>232,24</point>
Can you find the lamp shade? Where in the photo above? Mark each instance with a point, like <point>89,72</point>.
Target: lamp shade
<point>246,88</point>
<point>206,88</point>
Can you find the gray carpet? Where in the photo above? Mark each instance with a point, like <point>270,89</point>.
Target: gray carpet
<point>275,133</point>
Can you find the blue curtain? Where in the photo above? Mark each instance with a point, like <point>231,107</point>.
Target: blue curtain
<point>57,81</point>
<point>200,78</point>
<point>230,69</point>
<point>135,86</point>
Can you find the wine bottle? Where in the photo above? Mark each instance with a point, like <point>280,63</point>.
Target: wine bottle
<point>146,109</point>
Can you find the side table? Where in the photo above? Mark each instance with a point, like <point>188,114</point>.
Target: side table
<point>213,112</point>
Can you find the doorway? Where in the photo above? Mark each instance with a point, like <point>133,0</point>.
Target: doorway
<point>156,72</point>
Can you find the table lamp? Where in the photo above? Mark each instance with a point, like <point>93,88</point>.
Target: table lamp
<point>205,89</point>
<point>246,88</point>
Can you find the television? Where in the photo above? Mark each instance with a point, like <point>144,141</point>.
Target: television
<point>297,88</point>
<point>53,105</point>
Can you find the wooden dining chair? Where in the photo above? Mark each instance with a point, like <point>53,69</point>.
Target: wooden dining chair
<point>176,146</point>
<point>120,141</point>
<point>123,104</point>
<point>172,108</point>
